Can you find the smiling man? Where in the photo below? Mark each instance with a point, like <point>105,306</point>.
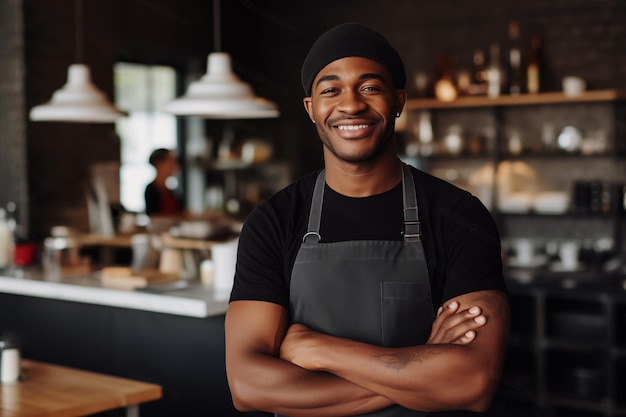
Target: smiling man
<point>369,287</point>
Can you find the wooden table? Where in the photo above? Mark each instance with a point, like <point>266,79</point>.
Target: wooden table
<point>57,391</point>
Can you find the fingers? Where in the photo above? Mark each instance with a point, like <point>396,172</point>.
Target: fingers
<point>466,338</point>
<point>453,326</point>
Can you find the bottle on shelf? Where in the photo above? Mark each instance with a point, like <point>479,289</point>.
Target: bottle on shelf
<point>12,220</point>
<point>478,85</point>
<point>425,129</point>
<point>445,88</point>
<point>495,76</point>
<point>533,69</point>
<point>514,60</point>
<point>6,241</point>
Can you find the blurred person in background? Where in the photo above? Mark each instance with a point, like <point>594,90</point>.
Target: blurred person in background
<point>160,199</point>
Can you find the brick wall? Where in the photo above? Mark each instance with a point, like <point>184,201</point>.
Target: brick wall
<point>13,186</point>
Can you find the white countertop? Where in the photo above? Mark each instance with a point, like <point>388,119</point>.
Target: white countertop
<point>184,298</point>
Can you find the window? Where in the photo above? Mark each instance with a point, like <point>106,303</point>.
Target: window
<point>142,90</point>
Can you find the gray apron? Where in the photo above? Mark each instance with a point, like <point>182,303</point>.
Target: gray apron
<point>376,292</point>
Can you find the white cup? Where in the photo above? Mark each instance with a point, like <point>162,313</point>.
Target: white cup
<point>171,261</point>
<point>207,272</point>
<point>573,86</point>
<point>524,249</point>
<point>568,253</point>
<point>224,257</point>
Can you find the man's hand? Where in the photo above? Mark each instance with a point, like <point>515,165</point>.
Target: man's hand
<point>297,342</point>
<point>456,327</point>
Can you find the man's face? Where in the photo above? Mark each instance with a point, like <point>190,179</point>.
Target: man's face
<point>353,103</point>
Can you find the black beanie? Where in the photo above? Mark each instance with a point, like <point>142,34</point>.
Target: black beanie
<point>351,39</point>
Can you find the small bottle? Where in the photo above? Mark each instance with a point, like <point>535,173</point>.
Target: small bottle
<point>425,134</point>
<point>445,89</point>
<point>533,70</point>
<point>494,72</point>
<point>10,359</point>
<point>478,86</point>
<point>6,241</point>
<point>514,60</point>
<point>11,218</point>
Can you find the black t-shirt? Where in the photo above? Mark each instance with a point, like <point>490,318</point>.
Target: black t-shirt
<point>461,240</point>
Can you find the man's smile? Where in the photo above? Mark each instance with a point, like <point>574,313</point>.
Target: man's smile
<point>352,127</point>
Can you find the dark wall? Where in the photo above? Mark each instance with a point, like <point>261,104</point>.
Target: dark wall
<point>268,41</point>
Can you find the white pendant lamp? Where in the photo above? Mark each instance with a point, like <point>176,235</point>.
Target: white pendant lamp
<point>79,100</point>
<point>220,93</point>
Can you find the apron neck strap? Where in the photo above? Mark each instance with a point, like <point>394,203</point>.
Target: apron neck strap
<point>412,227</point>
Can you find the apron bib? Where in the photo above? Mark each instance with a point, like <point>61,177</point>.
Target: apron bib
<point>376,292</point>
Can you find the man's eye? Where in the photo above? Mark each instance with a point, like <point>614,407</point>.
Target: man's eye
<point>329,90</point>
<point>370,88</point>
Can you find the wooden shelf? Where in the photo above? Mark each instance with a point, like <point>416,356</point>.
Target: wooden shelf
<point>523,99</point>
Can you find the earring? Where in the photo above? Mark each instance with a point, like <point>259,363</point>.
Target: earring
<point>397,114</point>
<point>313,121</point>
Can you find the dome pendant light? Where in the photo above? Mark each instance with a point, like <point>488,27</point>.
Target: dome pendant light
<point>220,94</point>
<point>79,100</point>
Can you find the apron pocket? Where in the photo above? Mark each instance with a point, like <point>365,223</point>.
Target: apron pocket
<point>406,313</point>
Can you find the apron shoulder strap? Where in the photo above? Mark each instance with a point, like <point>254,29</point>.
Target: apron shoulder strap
<point>315,215</point>
<point>412,225</point>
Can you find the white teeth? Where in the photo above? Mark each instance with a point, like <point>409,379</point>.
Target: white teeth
<point>351,127</point>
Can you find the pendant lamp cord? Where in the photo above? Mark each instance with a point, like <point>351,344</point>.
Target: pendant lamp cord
<point>217,41</point>
<point>79,31</point>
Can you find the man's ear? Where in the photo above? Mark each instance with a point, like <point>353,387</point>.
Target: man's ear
<point>400,100</point>
<point>308,106</point>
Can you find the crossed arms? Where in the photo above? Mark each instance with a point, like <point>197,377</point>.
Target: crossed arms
<point>296,371</point>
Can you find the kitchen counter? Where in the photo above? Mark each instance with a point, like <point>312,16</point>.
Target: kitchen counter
<point>183,298</point>
<point>173,338</point>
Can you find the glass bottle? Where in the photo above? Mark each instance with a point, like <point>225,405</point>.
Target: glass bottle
<point>533,72</point>
<point>478,86</point>
<point>494,72</point>
<point>6,241</point>
<point>514,60</point>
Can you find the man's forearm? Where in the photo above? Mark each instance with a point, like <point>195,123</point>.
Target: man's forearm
<point>427,377</point>
<point>274,385</point>
<point>437,376</point>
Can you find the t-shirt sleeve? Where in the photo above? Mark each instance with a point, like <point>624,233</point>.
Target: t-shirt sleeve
<point>259,273</point>
<point>472,249</point>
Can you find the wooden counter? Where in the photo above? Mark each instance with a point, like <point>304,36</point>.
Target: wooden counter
<point>57,391</point>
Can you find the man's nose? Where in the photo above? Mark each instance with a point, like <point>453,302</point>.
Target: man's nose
<point>351,102</point>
